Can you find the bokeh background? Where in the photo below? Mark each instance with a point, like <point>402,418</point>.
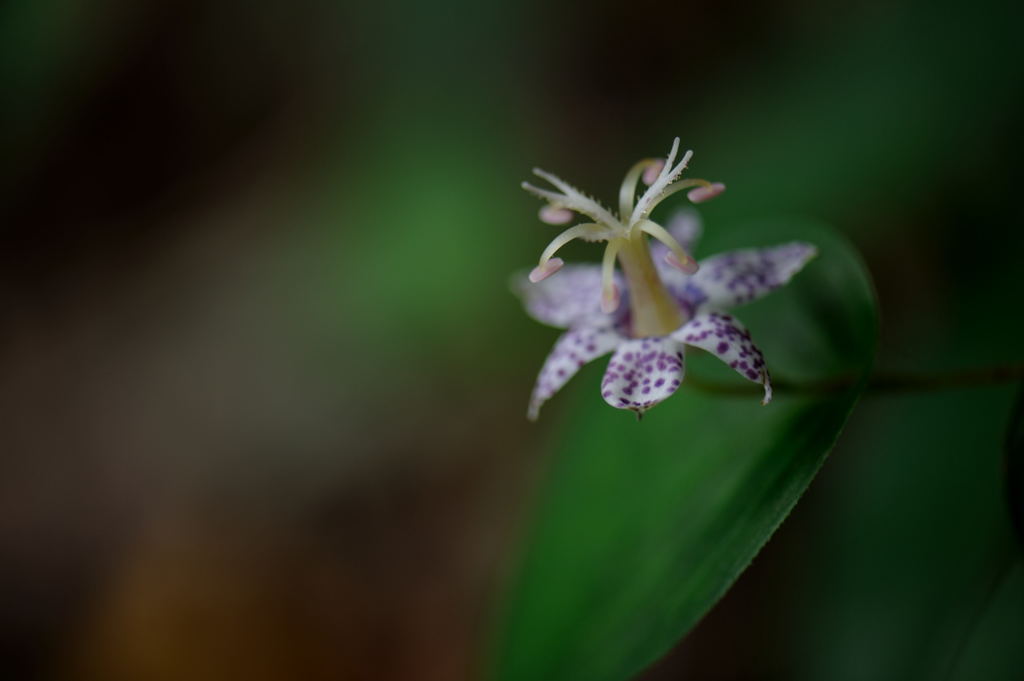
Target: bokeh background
<point>262,382</point>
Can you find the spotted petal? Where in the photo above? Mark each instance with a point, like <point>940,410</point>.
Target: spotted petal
<point>571,351</point>
<point>738,277</point>
<point>724,337</point>
<point>642,373</point>
<point>569,298</point>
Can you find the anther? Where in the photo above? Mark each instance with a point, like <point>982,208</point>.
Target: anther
<point>689,266</point>
<point>706,193</point>
<point>610,298</point>
<point>555,215</point>
<point>546,269</point>
<point>676,256</point>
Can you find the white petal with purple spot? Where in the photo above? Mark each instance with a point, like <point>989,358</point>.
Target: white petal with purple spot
<point>723,336</point>
<point>568,298</point>
<point>739,277</point>
<point>572,350</point>
<point>642,373</point>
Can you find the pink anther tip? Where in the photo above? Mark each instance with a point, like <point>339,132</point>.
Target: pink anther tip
<point>702,194</point>
<point>542,272</point>
<point>610,298</point>
<point>553,215</point>
<point>652,171</point>
<point>690,266</point>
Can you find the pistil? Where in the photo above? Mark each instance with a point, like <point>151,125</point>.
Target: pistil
<point>654,311</point>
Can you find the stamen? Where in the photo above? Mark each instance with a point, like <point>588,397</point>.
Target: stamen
<point>702,194</point>
<point>610,294</point>
<point>676,257</point>
<point>610,298</point>
<point>554,215</point>
<point>650,168</point>
<point>588,231</point>
<point>545,269</point>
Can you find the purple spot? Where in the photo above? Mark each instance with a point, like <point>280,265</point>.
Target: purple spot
<point>722,348</point>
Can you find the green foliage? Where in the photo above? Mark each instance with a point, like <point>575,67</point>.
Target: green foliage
<point>1015,467</point>
<point>642,527</point>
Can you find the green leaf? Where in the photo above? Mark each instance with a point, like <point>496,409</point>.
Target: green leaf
<point>642,527</point>
<point>1015,467</point>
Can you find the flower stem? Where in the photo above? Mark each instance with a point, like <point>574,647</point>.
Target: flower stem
<point>883,382</point>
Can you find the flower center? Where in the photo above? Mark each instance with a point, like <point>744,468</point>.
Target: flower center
<point>654,311</point>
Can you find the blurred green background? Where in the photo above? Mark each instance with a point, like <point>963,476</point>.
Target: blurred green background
<point>263,385</point>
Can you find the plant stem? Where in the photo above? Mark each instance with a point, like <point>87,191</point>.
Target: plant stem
<point>883,382</point>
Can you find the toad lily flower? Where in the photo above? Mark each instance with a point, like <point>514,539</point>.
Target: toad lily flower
<point>672,300</point>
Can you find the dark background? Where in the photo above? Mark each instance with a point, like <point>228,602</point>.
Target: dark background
<point>262,383</point>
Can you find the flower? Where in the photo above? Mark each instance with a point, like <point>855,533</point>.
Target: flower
<point>673,301</point>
